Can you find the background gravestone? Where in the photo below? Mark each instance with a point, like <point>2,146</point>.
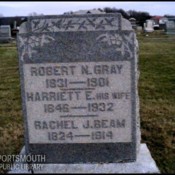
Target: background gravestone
<point>170,27</point>
<point>149,26</point>
<point>5,33</point>
<point>79,88</point>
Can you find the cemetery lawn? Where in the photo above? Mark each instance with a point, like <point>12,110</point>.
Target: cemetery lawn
<point>156,91</point>
<point>11,121</point>
<point>157,97</point>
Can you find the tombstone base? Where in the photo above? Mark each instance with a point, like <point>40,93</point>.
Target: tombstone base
<point>144,164</point>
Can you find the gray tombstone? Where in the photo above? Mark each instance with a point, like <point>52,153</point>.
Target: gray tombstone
<point>133,23</point>
<point>5,33</point>
<point>170,27</point>
<point>139,28</point>
<point>79,88</point>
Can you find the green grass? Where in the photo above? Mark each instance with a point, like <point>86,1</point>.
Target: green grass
<point>157,98</point>
<point>11,121</point>
<point>156,91</point>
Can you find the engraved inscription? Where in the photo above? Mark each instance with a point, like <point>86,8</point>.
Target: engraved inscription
<point>83,102</point>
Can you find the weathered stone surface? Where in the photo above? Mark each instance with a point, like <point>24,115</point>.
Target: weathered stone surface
<point>144,164</point>
<point>170,27</point>
<point>79,88</point>
<point>5,33</point>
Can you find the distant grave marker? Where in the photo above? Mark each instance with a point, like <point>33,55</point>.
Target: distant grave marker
<point>170,27</point>
<point>148,26</point>
<point>5,33</point>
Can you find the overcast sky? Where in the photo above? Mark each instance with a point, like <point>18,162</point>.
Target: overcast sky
<point>54,7</point>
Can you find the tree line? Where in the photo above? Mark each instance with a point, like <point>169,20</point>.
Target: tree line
<point>140,16</point>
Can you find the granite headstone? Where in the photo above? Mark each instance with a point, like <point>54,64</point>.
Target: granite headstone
<point>79,88</point>
<point>5,33</point>
<point>170,27</point>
